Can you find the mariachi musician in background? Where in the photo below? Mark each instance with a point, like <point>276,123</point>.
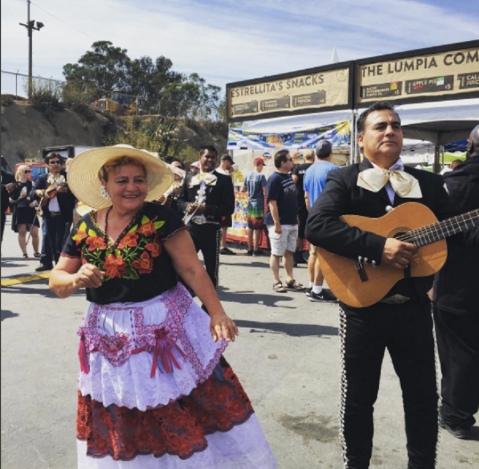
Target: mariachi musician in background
<point>203,219</point>
<point>400,321</point>
<point>170,197</point>
<point>57,203</point>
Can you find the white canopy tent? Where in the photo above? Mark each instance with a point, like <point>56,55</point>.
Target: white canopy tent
<point>437,122</point>
<point>297,123</point>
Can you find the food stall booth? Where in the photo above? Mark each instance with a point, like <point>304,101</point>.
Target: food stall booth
<point>435,91</point>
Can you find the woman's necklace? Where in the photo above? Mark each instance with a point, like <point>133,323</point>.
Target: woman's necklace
<point>132,222</point>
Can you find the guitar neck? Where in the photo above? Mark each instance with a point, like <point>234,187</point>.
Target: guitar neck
<point>441,229</point>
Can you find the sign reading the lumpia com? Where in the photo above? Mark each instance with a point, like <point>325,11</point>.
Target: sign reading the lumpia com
<point>452,72</point>
<point>290,94</point>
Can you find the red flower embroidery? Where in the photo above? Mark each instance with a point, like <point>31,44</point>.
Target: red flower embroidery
<point>154,247</point>
<point>95,243</point>
<point>114,266</point>
<point>79,236</point>
<point>147,229</point>
<point>145,266</point>
<point>129,240</point>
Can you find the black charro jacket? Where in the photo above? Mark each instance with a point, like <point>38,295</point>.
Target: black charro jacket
<point>456,288</point>
<point>342,196</point>
<point>220,198</point>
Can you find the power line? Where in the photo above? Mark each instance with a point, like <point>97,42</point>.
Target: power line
<point>64,22</point>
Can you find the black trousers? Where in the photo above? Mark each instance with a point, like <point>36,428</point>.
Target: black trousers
<point>207,239</point>
<point>458,347</point>
<point>406,331</point>
<point>3,221</point>
<point>56,226</point>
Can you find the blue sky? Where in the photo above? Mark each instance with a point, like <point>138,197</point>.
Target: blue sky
<point>227,40</point>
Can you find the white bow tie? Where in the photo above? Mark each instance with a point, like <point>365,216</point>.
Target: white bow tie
<point>403,184</point>
<point>210,179</point>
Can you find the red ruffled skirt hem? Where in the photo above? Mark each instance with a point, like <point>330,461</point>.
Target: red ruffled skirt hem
<point>179,428</point>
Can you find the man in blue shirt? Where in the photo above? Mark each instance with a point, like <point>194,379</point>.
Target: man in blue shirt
<point>314,181</point>
<point>282,220</point>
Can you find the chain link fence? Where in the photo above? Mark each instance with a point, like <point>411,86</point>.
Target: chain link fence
<point>16,83</point>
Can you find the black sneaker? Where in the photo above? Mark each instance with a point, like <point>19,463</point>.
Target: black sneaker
<point>227,252</point>
<point>324,297</point>
<point>463,433</point>
<point>249,253</point>
<point>259,253</point>
<point>308,292</point>
<point>43,268</point>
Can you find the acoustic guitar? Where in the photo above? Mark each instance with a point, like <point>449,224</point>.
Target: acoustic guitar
<point>360,284</point>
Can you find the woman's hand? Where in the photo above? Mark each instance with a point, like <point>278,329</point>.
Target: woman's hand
<point>222,327</point>
<point>89,276</point>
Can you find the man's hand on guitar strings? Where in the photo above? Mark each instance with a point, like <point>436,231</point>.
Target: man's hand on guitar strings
<point>398,254</point>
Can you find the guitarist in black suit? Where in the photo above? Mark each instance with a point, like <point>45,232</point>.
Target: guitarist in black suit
<point>58,212</point>
<point>401,321</point>
<point>205,225</point>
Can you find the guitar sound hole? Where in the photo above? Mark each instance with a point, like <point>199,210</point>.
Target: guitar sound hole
<point>397,232</point>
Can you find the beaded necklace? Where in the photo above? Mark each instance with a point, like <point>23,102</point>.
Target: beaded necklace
<point>122,234</point>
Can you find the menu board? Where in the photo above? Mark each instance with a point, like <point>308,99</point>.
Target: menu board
<point>444,72</point>
<point>322,89</point>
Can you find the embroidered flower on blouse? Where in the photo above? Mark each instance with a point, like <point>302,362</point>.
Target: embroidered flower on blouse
<point>135,252</point>
<point>147,229</point>
<point>145,265</point>
<point>154,248</point>
<point>129,240</point>
<point>95,243</point>
<point>114,266</point>
<point>80,234</point>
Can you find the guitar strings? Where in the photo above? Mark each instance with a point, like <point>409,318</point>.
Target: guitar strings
<point>434,228</point>
<point>444,225</point>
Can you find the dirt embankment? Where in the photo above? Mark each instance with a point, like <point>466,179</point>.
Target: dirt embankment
<point>25,131</point>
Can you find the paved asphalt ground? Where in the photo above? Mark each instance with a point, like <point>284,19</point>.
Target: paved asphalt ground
<point>287,358</point>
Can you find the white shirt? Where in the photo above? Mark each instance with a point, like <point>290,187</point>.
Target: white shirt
<point>398,166</point>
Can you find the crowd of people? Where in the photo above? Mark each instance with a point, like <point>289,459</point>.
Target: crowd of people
<point>154,388</point>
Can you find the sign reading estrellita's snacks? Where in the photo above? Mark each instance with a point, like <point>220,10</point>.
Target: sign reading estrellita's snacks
<point>444,73</point>
<point>294,93</point>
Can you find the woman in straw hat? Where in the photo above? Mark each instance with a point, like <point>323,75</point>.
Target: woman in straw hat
<point>154,389</point>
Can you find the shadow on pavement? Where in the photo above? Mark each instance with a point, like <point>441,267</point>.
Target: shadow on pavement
<point>6,263</point>
<point>8,314</point>
<point>46,292</point>
<point>249,297</point>
<point>248,264</point>
<point>293,330</point>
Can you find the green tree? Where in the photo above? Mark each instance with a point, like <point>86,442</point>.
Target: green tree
<point>102,68</point>
<point>157,88</point>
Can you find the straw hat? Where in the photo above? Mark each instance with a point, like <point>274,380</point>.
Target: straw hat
<point>85,184</point>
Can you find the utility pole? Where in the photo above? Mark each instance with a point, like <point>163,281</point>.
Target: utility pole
<point>30,27</point>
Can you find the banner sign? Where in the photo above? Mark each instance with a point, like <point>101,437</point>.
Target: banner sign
<point>441,73</point>
<point>322,89</point>
<point>338,134</point>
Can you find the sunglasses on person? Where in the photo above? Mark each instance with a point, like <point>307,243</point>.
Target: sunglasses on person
<point>55,162</point>
<point>27,171</point>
